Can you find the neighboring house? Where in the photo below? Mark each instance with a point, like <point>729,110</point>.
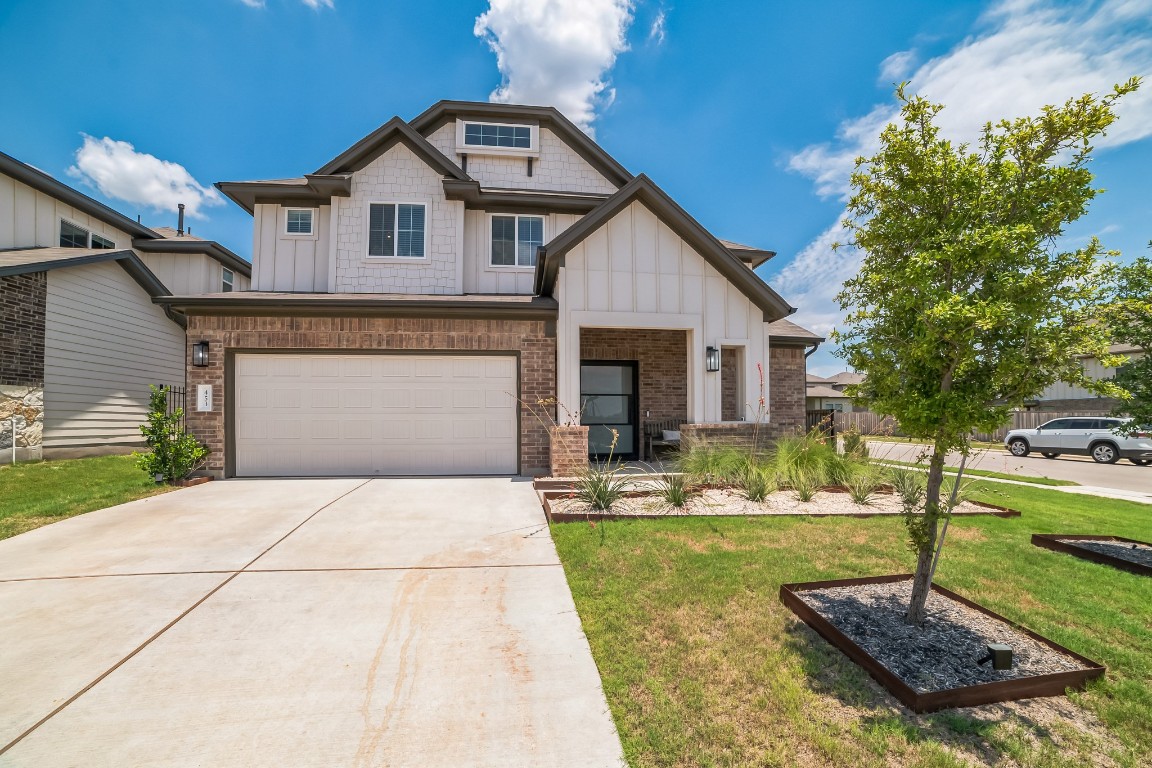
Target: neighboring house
<point>1072,399</point>
<point>827,394</point>
<point>80,337</point>
<point>417,297</point>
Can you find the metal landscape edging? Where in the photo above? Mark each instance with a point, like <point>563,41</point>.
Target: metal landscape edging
<point>1053,542</point>
<point>1052,684</point>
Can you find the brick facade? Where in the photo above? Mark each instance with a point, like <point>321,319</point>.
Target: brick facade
<point>531,338</point>
<point>731,409</point>
<point>22,305</point>
<point>663,364</point>
<point>787,387</point>
<point>569,451</point>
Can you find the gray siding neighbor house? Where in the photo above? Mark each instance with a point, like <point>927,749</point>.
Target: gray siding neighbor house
<point>419,298</point>
<point>80,337</point>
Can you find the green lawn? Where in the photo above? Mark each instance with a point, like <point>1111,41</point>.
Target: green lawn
<point>703,666</point>
<point>986,473</point>
<point>38,493</point>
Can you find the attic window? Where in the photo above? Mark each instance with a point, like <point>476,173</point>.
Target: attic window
<point>227,284</point>
<point>101,242</point>
<point>72,236</point>
<point>496,138</point>
<point>298,221</point>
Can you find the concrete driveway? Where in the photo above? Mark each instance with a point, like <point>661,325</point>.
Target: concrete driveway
<point>328,622</point>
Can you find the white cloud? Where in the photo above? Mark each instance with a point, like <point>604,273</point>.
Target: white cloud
<point>897,67</point>
<point>556,52</point>
<point>119,171</point>
<point>1028,54</point>
<point>658,29</point>
<point>253,3</point>
<point>318,4</point>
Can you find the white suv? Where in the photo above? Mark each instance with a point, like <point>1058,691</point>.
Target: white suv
<point>1093,436</point>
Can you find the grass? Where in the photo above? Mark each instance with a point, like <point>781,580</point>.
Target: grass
<point>702,665</point>
<point>987,473</point>
<point>37,493</point>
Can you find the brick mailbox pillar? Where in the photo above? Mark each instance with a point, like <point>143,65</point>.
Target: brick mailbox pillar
<point>569,450</point>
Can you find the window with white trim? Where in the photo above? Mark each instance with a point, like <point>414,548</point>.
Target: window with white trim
<point>228,282</point>
<point>396,230</point>
<point>498,135</point>
<point>298,221</point>
<point>73,236</point>
<point>515,240</point>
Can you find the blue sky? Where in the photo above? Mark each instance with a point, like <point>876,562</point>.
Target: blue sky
<point>747,112</point>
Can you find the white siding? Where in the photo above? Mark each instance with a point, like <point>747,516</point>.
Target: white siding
<point>1094,371</point>
<point>104,343</point>
<point>190,273</point>
<point>479,275</point>
<point>636,272</point>
<point>31,219</point>
<point>558,168</point>
<point>398,175</point>
<point>283,262</point>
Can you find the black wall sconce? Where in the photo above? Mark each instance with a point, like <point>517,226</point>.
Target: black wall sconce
<point>200,354</point>
<point>712,359</point>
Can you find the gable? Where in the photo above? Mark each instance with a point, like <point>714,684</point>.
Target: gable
<point>702,243</point>
<point>372,146</point>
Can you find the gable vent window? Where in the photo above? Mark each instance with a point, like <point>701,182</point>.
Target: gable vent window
<point>498,135</point>
<point>396,230</point>
<point>228,281</point>
<point>299,221</point>
<point>72,236</point>
<point>515,240</point>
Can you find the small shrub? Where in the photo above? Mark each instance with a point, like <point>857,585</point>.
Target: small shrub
<point>810,455</point>
<point>804,485</point>
<point>754,482</point>
<point>675,489</point>
<point>862,486</point>
<point>173,453</point>
<point>601,486</point>
<point>910,487</point>
<point>855,446</point>
<point>719,466</point>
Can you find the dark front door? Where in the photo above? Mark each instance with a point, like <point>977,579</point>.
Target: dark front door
<point>608,392</point>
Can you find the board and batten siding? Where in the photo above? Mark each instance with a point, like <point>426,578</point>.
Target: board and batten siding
<point>31,219</point>
<point>479,274</point>
<point>190,273</point>
<point>104,343</point>
<point>1094,370</point>
<point>636,272</point>
<point>283,262</point>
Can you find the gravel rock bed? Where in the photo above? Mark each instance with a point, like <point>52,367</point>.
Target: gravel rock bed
<point>942,654</point>
<point>1141,554</point>
<point>722,501</point>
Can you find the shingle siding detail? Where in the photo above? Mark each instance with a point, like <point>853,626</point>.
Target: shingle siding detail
<point>22,303</point>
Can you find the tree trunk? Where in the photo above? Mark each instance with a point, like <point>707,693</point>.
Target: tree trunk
<point>922,581</point>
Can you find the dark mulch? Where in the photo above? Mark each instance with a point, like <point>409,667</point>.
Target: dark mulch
<point>940,655</point>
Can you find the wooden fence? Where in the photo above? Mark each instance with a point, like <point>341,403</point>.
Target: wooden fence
<point>868,423</point>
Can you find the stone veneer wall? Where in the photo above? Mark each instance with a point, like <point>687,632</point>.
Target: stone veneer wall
<point>532,338</point>
<point>663,358</point>
<point>22,307</point>
<point>22,303</point>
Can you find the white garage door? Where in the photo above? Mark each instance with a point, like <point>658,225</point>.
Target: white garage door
<point>375,415</point>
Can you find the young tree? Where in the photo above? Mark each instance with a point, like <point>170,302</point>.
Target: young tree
<point>1130,319</point>
<point>965,304</point>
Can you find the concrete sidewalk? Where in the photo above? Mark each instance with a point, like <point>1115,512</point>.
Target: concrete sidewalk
<point>422,622</point>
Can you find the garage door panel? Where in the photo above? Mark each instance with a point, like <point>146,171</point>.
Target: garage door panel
<point>375,415</point>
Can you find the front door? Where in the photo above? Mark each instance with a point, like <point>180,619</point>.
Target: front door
<point>608,400</point>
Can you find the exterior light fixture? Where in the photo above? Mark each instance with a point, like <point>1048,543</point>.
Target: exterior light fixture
<point>712,359</point>
<point>200,354</point>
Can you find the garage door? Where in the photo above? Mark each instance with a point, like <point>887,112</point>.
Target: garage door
<point>375,415</point>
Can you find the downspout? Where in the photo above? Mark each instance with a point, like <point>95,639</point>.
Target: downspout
<point>815,347</point>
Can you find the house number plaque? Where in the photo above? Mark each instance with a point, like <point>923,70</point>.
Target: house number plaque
<point>203,397</point>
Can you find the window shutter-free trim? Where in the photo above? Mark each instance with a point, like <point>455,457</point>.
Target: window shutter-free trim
<point>298,221</point>
<point>72,236</point>
<point>515,240</point>
<point>397,230</point>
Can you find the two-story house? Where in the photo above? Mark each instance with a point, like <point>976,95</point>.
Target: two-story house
<point>418,296</point>
<point>80,337</point>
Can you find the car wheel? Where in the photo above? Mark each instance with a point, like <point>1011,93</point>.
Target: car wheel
<point>1018,447</point>
<point>1049,455</point>
<point>1141,462</point>
<point>1105,453</point>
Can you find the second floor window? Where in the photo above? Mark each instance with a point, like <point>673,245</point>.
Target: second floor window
<point>72,236</point>
<point>515,240</point>
<point>228,282</point>
<point>299,221</point>
<point>396,230</point>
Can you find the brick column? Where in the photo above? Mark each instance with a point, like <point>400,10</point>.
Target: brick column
<point>569,450</point>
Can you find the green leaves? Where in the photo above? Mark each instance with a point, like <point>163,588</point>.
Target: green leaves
<point>173,453</point>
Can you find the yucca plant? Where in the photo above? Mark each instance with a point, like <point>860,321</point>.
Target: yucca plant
<point>862,485</point>
<point>804,485</point>
<point>755,482</point>
<point>909,487</point>
<point>675,489</point>
<point>602,484</point>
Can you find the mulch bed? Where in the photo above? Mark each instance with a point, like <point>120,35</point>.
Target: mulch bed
<point>935,666</point>
<point>1126,554</point>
